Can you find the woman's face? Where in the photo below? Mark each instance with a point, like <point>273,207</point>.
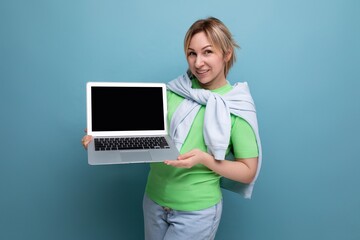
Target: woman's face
<point>206,62</point>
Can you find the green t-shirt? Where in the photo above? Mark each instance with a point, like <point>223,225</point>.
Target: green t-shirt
<point>198,187</point>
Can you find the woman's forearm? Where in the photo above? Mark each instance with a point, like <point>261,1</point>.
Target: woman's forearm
<point>240,170</point>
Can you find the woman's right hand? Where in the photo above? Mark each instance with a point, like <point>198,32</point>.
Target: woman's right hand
<point>86,139</point>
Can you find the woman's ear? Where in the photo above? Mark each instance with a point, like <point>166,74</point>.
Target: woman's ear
<point>228,55</point>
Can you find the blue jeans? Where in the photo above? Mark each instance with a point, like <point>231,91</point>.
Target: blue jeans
<point>162,223</point>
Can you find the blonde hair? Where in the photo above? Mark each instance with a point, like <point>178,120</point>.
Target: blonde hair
<point>219,36</point>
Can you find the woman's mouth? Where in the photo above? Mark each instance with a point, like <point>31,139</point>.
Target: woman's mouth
<point>201,72</point>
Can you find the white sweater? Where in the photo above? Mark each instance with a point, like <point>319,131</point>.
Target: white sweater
<point>217,121</point>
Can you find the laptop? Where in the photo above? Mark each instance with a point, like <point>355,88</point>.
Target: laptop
<point>128,122</point>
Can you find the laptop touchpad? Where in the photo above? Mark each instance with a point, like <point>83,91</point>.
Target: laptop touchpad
<point>135,156</point>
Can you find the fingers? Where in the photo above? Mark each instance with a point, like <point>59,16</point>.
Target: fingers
<point>186,155</point>
<point>189,159</point>
<point>86,140</point>
<point>186,160</point>
<point>178,163</point>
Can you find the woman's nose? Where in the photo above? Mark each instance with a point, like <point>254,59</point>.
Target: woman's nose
<point>199,61</point>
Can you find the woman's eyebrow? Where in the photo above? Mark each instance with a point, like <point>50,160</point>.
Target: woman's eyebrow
<point>201,48</point>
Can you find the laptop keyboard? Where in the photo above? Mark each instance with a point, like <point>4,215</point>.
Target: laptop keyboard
<point>108,144</point>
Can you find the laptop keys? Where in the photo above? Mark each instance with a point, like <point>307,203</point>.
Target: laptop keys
<point>111,144</point>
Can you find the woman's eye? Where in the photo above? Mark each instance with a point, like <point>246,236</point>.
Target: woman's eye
<point>191,54</point>
<point>207,52</point>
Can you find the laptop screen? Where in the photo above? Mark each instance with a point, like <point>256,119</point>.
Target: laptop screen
<point>127,108</point>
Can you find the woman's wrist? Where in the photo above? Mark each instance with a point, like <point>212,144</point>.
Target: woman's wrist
<point>207,160</point>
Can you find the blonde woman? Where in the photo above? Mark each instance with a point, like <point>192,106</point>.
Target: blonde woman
<point>208,118</point>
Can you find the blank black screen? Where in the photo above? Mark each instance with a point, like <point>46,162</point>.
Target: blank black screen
<point>127,108</point>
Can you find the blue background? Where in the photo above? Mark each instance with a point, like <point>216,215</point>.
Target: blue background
<point>300,58</point>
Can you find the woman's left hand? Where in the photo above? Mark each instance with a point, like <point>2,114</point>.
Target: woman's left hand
<point>241,169</point>
<point>189,159</point>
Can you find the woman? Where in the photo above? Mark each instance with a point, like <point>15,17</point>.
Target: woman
<point>208,119</point>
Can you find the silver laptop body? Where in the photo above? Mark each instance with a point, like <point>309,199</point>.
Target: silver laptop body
<point>128,122</point>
